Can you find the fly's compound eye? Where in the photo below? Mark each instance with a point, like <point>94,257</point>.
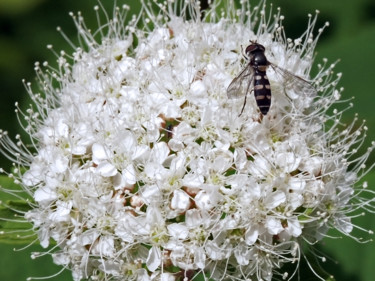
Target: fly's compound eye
<point>253,47</point>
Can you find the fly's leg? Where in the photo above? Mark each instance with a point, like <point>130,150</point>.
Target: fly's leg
<point>247,92</point>
<point>243,107</point>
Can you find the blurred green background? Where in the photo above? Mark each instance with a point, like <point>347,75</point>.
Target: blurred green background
<point>27,26</point>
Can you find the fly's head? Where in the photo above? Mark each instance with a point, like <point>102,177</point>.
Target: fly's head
<point>254,48</point>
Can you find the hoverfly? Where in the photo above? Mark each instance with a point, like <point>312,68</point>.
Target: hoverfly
<point>254,78</point>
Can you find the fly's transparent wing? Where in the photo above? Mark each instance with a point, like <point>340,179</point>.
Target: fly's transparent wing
<point>241,83</point>
<point>295,86</point>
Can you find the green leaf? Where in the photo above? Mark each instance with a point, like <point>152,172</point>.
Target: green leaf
<point>14,229</point>
<point>339,248</point>
<point>18,6</point>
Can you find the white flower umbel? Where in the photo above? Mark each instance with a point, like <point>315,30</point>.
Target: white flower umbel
<point>142,169</point>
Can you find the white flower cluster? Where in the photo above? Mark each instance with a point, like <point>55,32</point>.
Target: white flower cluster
<point>144,170</point>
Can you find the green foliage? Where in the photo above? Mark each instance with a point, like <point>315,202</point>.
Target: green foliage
<point>346,252</point>
<point>14,229</point>
<point>18,6</point>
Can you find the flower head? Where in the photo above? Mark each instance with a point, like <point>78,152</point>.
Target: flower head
<point>144,170</point>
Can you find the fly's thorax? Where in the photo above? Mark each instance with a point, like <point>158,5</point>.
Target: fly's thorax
<point>258,59</point>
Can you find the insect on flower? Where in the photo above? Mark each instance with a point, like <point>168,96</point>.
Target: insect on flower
<point>254,78</point>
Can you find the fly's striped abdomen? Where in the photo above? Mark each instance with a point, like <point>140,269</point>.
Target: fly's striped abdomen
<point>262,91</point>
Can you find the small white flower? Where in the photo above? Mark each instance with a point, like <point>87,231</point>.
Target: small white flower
<point>144,170</point>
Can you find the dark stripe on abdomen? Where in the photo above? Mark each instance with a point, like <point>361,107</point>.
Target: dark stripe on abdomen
<point>262,91</point>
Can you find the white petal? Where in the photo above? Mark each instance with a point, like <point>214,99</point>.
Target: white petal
<point>240,159</point>
<point>294,227</point>
<point>205,201</point>
<point>154,217</point>
<point>296,184</point>
<point>62,212</point>
<point>178,231</point>
<point>154,258</point>
<point>176,145</point>
<point>167,277</point>
<point>44,237</point>
<point>295,200</point>
<point>251,235</point>
<point>216,252</point>
<point>288,161</point>
<point>61,128</point>
<point>44,194</point>
<point>197,88</point>
<point>151,193</point>
<point>61,258</point>
<point>99,153</point>
<point>312,165</point>
<point>242,254</point>
<point>222,162</point>
<point>89,237</point>
<point>142,275</point>
<point>129,175</point>
<point>60,163</point>
<point>32,176</point>
<point>344,224</point>
<point>193,180</point>
<point>104,246</point>
<point>128,141</point>
<point>200,257</point>
<point>106,169</point>
<point>273,226</point>
<point>141,152</point>
<point>136,225</point>
<point>193,218</point>
<point>260,167</point>
<point>180,201</point>
<point>123,232</point>
<point>160,152</point>
<point>275,199</point>
<point>78,149</point>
